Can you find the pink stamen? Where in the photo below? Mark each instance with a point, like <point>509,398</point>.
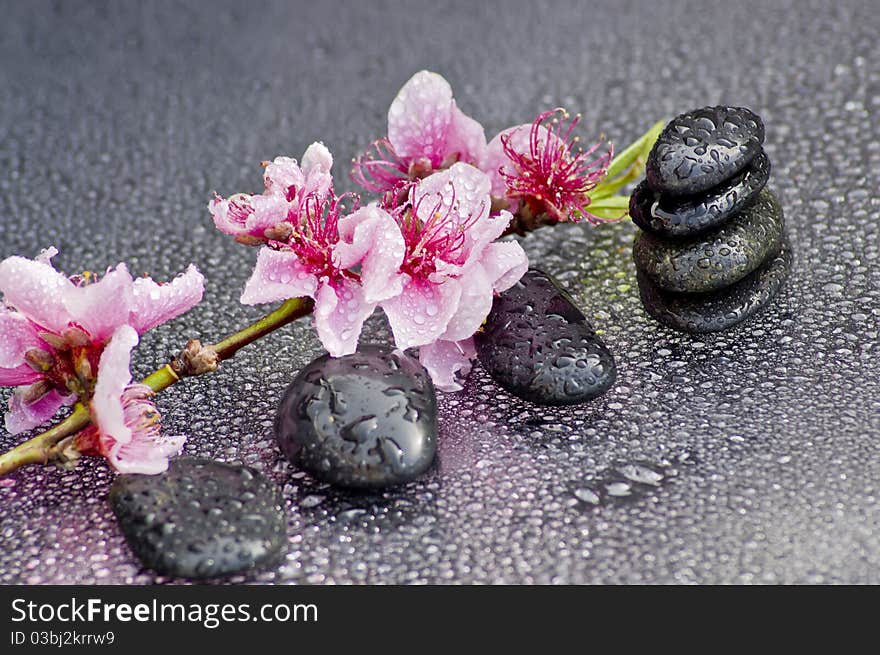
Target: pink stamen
<point>551,177</point>
<point>316,232</point>
<point>440,237</point>
<point>379,169</point>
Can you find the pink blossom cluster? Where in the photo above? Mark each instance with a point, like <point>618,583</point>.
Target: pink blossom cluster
<point>67,339</point>
<point>534,168</point>
<point>428,252</point>
<point>431,263</point>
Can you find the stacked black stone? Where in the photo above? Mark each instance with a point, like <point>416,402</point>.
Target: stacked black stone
<point>712,251</point>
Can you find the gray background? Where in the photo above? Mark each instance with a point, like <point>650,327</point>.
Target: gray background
<point>118,120</point>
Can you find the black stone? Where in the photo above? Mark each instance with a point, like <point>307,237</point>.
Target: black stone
<point>539,346</point>
<point>715,259</point>
<point>703,148</point>
<point>366,420</point>
<point>718,310</point>
<point>201,518</point>
<point>679,216</point>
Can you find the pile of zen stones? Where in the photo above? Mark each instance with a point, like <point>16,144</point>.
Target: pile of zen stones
<point>369,420</point>
<point>712,251</point>
<point>711,255</point>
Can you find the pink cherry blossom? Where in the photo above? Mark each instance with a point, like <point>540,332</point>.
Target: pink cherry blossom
<point>426,132</point>
<point>538,169</point>
<point>255,219</point>
<point>54,329</point>
<point>452,268</point>
<point>319,260</point>
<point>125,424</point>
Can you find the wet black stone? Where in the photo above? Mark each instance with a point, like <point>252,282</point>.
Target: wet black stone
<point>366,420</point>
<point>681,216</point>
<point>201,518</point>
<point>714,259</point>
<point>718,310</point>
<point>702,148</point>
<point>538,345</point>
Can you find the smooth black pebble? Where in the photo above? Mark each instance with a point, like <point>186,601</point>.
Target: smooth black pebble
<point>715,259</point>
<point>201,518</point>
<point>682,216</point>
<point>703,148</point>
<point>719,310</point>
<point>366,420</point>
<point>539,346</point>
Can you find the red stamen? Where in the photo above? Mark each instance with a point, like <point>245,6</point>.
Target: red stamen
<point>316,232</point>
<point>439,237</point>
<point>551,177</point>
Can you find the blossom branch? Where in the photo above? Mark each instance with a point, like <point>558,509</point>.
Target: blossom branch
<point>194,359</point>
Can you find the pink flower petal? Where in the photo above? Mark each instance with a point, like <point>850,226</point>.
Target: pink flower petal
<point>269,210</point>
<point>339,316</point>
<point>230,215</point>
<point>317,158</point>
<point>471,188</point>
<point>278,275</point>
<point>473,306</point>
<point>419,118</point>
<point>282,174</point>
<point>113,376</point>
<point>147,456</point>
<point>447,361</point>
<point>245,215</point>
<point>318,184</point>
<point>485,232</point>
<point>420,314</point>
<point>102,306</point>
<point>505,263</point>
<point>18,375</point>
<point>23,416</point>
<point>153,304</point>
<point>371,238</point>
<point>17,336</point>
<point>466,137</point>
<point>147,450</point>
<point>36,290</point>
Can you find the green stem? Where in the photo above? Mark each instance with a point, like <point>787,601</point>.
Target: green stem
<point>629,164</point>
<point>287,313</point>
<point>42,448</point>
<point>612,208</point>
<point>39,450</point>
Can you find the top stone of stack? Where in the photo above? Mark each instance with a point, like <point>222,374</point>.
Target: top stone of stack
<point>701,149</point>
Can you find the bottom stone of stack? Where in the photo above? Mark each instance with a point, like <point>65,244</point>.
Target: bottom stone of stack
<point>717,310</point>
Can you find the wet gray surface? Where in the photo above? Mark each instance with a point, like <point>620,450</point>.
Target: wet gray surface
<point>755,452</point>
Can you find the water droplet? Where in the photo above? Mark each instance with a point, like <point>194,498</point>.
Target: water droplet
<point>640,473</point>
<point>311,501</point>
<point>587,495</point>
<point>618,488</point>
